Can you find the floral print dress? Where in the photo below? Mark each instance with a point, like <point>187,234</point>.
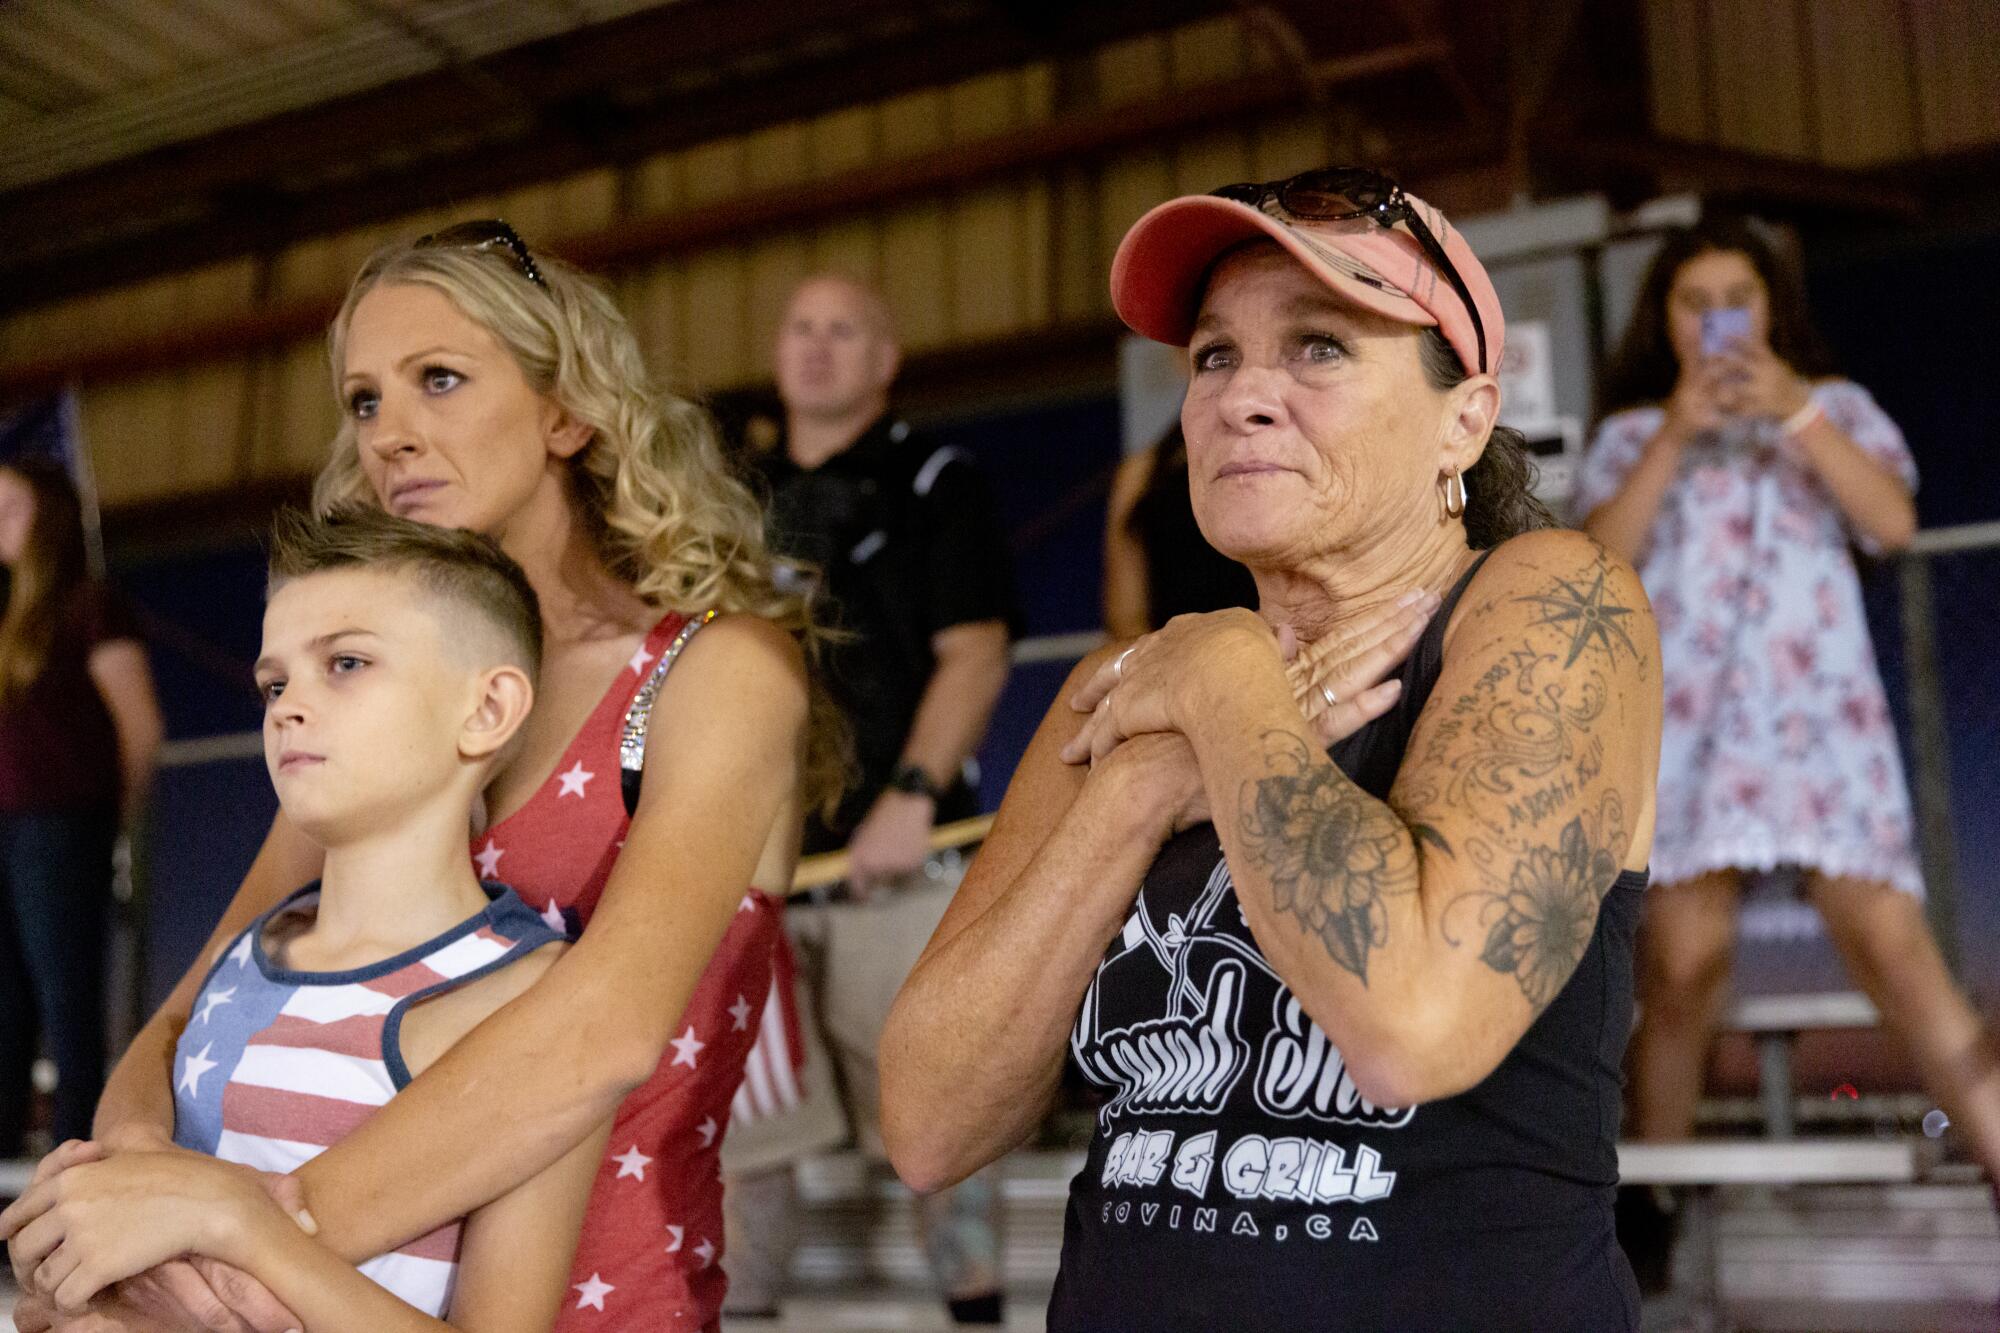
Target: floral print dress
<point>1778,747</point>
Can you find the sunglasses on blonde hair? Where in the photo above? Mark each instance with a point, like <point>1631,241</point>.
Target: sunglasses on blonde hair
<point>485,234</point>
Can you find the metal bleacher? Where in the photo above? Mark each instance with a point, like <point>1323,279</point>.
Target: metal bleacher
<point>1776,1021</point>
<point>1769,1213</point>
<point>1776,1223</point>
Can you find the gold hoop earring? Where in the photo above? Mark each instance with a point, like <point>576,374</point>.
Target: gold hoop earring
<point>1456,496</point>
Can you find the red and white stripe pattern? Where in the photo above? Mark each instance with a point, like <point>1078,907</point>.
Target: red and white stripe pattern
<point>771,1072</point>
<point>312,1073</point>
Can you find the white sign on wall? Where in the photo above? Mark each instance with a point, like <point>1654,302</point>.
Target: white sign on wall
<point>1527,376</point>
<point>1152,379</point>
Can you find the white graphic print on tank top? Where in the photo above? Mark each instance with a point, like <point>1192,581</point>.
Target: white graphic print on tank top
<point>1188,980</point>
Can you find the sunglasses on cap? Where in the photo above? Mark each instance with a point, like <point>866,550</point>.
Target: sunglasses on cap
<point>485,234</point>
<point>1340,194</point>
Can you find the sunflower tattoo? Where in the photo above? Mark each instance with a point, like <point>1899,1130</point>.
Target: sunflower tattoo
<point>1330,852</point>
<point>1540,926</point>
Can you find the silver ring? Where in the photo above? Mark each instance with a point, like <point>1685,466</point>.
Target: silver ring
<point>1118,667</point>
<point>1332,699</point>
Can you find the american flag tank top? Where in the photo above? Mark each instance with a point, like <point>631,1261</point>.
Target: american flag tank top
<point>276,1066</point>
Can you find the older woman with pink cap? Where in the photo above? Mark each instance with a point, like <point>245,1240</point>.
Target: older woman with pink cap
<point>1334,900</point>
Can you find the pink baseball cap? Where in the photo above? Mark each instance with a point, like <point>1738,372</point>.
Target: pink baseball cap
<point>1162,265</point>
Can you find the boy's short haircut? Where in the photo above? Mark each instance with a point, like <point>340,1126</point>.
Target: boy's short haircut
<point>456,564</point>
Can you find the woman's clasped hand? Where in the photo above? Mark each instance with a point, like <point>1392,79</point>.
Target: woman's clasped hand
<point>1341,680</point>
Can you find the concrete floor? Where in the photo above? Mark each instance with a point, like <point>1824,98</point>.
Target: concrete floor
<point>887,1311</point>
<point>874,1312</point>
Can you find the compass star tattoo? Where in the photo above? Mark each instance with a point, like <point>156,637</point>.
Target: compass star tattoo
<point>1581,608</point>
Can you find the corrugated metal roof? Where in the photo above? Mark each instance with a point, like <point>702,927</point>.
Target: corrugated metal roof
<point>83,82</point>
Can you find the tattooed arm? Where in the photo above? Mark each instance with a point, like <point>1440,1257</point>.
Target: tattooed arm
<point>1426,933</point>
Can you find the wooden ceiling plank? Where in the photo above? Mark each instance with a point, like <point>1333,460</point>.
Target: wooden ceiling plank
<point>190,44</point>
<point>363,121</point>
<point>740,218</point>
<point>1421,20</point>
<point>254,26</point>
<point>744,217</point>
<point>39,264</point>
<point>35,41</point>
<point>314,17</point>
<point>86,33</point>
<point>36,85</point>
<point>1677,73</point>
<point>1732,171</point>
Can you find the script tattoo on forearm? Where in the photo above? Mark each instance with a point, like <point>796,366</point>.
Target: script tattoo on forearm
<point>1331,851</point>
<point>1517,748</point>
<point>1539,926</point>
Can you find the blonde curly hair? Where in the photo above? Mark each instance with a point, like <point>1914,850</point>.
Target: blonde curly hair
<point>667,511</point>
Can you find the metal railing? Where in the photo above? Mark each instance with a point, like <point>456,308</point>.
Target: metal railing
<point>1960,567</point>
<point>1956,568</point>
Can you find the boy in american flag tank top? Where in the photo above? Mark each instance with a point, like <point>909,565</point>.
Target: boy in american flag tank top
<point>398,662</point>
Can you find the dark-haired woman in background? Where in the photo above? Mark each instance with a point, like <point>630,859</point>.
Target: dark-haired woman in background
<point>1735,472</point>
<point>1157,565</point>
<point>79,730</point>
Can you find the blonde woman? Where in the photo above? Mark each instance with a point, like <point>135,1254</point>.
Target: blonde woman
<point>490,388</point>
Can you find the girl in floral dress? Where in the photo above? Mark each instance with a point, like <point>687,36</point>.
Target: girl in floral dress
<point>1737,477</point>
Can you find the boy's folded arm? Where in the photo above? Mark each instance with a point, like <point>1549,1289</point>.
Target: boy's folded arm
<point>513,1271</point>
<point>328,1294</point>
<point>136,1108</point>
<point>529,1083</point>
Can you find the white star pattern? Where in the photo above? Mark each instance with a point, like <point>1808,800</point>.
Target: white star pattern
<point>593,1292</point>
<point>193,1068</point>
<point>240,955</point>
<point>674,1234</point>
<point>631,1162</point>
<point>749,903</point>
<point>706,1250</point>
<point>214,1000</point>
<point>707,1130</point>
<point>739,1013</point>
<point>573,780</point>
<point>489,860</point>
<point>639,659</point>
<point>552,916</point>
<point>686,1047</point>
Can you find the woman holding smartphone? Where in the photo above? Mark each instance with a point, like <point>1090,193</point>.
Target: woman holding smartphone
<point>1736,474</point>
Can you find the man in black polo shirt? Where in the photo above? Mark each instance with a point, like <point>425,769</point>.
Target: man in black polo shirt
<point>915,568</point>
<point>912,565</point>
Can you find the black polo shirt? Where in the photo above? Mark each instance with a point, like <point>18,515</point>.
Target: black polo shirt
<point>909,541</point>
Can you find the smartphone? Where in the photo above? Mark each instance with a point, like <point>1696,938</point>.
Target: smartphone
<point>1722,327</point>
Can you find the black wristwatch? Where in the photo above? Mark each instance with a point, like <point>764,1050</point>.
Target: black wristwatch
<point>911,778</point>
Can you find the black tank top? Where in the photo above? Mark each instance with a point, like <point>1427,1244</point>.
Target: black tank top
<point>1238,1181</point>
